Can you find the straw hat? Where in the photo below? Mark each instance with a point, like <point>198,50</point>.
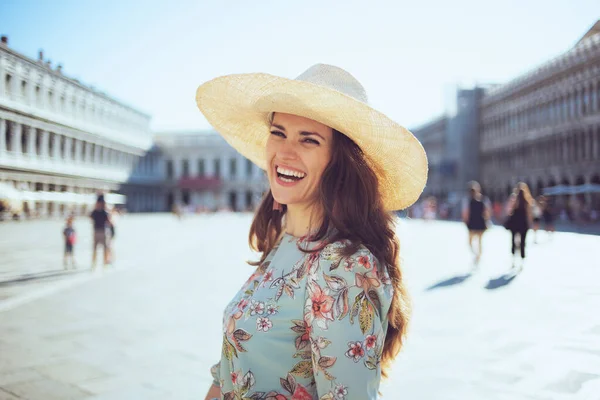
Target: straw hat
<point>239,107</point>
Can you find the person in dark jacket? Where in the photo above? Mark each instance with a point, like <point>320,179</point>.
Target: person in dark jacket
<point>101,222</point>
<point>476,212</point>
<point>519,219</point>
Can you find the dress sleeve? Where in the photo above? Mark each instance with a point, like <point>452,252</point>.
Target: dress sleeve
<point>346,305</point>
<point>215,371</point>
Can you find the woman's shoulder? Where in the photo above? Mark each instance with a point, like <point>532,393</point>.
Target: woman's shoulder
<point>344,256</point>
<point>355,268</point>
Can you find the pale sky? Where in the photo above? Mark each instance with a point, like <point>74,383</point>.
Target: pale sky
<point>153,54</point>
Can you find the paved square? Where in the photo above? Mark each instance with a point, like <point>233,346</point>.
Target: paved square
<point>149,328</point>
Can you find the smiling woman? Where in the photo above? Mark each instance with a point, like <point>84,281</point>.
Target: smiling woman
<point>325,312</point>
<point>298,151</point>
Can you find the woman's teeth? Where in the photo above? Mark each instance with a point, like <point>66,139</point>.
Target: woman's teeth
<point>288,175</point>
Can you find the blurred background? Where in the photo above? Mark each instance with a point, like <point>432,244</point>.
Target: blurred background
<point>98,98</point>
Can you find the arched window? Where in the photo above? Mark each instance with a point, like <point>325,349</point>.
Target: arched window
<point>38,96</point>
<point>8,85</point>
<point>50,99</point>
<point>24,89</point>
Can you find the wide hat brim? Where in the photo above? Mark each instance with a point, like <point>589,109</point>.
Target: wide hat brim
<point>239,106</point>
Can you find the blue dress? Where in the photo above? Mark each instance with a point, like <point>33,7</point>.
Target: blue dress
<point>306,326</point>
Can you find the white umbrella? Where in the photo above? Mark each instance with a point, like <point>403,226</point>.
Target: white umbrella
<point>558,190</point>
<point>587,188</point>
<point>115,198</point>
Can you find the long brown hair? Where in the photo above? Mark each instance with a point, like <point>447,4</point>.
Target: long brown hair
<point>352,205</point>
<point>523,197</point>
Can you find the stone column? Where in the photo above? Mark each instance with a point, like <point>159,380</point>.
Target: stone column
<point>31,141</point>
<point>79,151</point>
<point>96,153</point>
<point>68,146</point>
<point>225,168</point>
<point>44,143</point>
<point>85,152</point>
<point>2,134</point>
<point>241,200</point>
<point>17,132</point>
<point>55,139</point>
<point>209,167</point>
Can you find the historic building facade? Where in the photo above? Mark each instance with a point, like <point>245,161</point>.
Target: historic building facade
<point>451,142</point>
<point>432,136</point>
<point>543,128</point>
<point>61,142</point>
<point>195,170</point>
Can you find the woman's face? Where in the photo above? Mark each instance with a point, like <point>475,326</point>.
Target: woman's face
<point>298,151</point>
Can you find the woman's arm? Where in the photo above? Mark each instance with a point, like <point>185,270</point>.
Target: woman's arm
<point>344,308</point>
<point>214,392</point>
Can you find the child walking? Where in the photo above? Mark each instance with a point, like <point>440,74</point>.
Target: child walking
<point>69,235</point>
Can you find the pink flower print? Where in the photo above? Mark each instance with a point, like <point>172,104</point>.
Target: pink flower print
<point>356,351</point>
<point>370,341</point>
<point>263,324</point>
<point>271,309</point>
<point>257,307</point>
<point>301,393</point>
<point>367,280</point>
<point>364,261</point>
<point>268,277</point>
<point>340,392</point>
<point>347,265</point>
<point>234,377</point>
<point>318,307</point>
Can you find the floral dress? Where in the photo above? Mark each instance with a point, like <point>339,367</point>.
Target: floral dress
<point>306,326</point>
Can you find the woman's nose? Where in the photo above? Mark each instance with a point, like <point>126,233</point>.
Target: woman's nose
<point>287,151</point>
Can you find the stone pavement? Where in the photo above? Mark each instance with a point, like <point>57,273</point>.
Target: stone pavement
<point>150,327</point>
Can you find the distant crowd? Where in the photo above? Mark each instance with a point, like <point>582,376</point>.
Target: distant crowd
<point>572,209</point>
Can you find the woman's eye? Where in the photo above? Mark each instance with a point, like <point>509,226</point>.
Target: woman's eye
<point>312,141</point>
<point>278,133</point>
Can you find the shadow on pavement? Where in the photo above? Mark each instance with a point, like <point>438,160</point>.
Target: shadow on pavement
<point>456,280</point>
<point>501,280</point>
<point>41,275</point>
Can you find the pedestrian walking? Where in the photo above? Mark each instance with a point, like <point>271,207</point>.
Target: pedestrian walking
<point>519,220</point>
<point>101,222</point>
<point>325,312</point>
<point>476,213</point>
<point>70,238</point>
